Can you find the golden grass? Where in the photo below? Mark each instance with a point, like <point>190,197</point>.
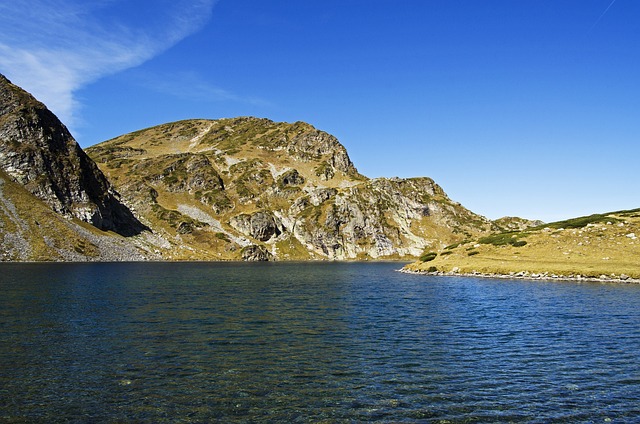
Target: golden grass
<point>607,248</point>
<point>44,230</point>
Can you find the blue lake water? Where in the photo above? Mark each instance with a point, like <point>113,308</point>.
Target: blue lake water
<point>311,342</point>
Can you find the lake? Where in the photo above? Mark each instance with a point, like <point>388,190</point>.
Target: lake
<point>311,342</point>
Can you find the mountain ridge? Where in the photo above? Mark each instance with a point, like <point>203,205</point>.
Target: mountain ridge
<point>250,188</point>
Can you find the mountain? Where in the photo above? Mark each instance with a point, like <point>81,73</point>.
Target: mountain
<point>38,151</point>
<point>55,204</point>
<point>254,189</point>
<point>602,246</point>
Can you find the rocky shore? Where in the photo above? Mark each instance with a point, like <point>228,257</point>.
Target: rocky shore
<point>524,275</point>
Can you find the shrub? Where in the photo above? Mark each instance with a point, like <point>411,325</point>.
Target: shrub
<point>583,221</point>
<point>222,236</point>
<point>503,239</point>
<point>428,256</point>
<point>448,252</point>
<point>432,269</point>
<point>475,252</point>
<point>454,245</point>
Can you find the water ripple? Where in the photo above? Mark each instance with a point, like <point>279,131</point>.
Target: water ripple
<point>311,343</point>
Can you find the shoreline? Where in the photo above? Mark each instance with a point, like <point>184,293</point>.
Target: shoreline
<point>524,275</point>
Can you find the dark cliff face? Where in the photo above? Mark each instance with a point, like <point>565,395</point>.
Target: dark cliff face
<point>38,151</point>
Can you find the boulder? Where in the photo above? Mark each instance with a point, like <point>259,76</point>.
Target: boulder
<point>256,253</point>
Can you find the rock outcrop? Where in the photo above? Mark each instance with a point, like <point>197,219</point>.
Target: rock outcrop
<point>511,223</point>
<point>255,253</point>
<point>37,151</point>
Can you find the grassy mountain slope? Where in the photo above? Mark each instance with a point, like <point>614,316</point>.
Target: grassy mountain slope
<point>256,189</point>
<point>605,245</point>
<point>31,231</point>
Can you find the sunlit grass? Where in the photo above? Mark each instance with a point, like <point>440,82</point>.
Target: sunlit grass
<point>597,245</point>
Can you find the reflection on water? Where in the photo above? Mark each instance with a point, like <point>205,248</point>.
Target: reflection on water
<point>298,342</point>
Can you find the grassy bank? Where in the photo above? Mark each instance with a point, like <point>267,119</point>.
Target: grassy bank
<point>597,245</point>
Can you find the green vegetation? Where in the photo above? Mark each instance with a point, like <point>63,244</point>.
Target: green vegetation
<point>177,220</point>
<point>217,199</point>
<point>604,246</point>
<point>324,171</point>
<point>289,178</point>
<point>427,257</point>
<point>580,222</point>
<point>502,239</point>
<point>223,237</point>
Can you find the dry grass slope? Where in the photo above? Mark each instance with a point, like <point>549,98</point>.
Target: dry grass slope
<point>601,245</point>
<point>31,231</point>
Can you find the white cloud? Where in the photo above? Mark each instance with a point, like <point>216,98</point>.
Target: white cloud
<point>54,47</point>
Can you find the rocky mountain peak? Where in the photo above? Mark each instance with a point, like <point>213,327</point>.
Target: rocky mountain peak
<point>254,189</point>
<point>38,151</point>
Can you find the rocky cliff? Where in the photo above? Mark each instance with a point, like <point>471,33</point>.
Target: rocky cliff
<point>254,189</point>
<point>37,151</point>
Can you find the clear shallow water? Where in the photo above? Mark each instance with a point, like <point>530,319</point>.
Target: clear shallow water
<point>310,342</point>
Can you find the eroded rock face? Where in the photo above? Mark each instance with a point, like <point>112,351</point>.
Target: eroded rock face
<point>291,178</point>
<point>260,225</point>
<point>315,144</point>
<point>256,253</point>
<point>38,151</point>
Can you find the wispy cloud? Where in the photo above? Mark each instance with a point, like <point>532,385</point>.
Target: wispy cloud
<point>52,48</point>
<point>191,86</point>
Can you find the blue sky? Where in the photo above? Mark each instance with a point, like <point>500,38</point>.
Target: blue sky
<point>515,107</point>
